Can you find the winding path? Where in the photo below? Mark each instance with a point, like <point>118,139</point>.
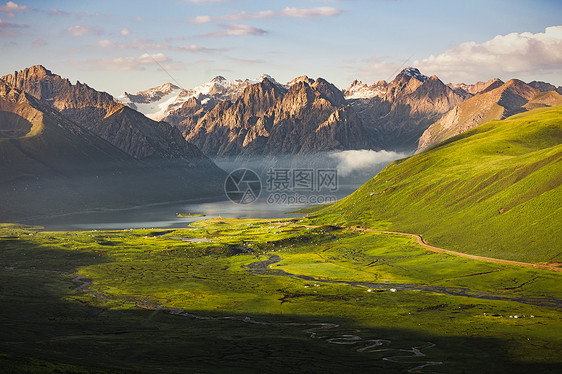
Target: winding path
<point>422,243</point>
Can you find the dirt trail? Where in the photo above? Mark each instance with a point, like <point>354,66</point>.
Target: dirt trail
<point>422,243</point>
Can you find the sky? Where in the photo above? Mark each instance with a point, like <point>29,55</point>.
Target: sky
<point>123,45</point>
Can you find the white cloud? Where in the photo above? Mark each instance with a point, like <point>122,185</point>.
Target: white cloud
<point>58,12</point>
<point>363,160</point>
<point>237,29</point>
<point>201,19</point>
<point>517,55</point>
<point>105,43</point>
<point>126,63</point>
<point>287,12</point>
<point>195,48</point>
<point>78,30</point>
<point>10,6</point>
<point>125,32</point>
<point>159,57</point>
<point>512,54</point>
<point>311,12</point>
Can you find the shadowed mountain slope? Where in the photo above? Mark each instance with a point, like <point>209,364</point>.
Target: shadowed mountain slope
<point>50,165</point>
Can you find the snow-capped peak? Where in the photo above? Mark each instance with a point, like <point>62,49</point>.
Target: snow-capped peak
<point>414,73</point>
<point>302,78</point>
<point>152,102</point>
<point>158,102</point>
<point>218,78</point>
<point>359,90</point>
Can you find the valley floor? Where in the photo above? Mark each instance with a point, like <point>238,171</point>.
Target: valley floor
<point>253,296</point>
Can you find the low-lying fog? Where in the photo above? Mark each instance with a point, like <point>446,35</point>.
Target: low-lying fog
<point>276,198</point>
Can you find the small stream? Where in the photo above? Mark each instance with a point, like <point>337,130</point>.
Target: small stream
<point>262,268</point>
<point>319,330</point>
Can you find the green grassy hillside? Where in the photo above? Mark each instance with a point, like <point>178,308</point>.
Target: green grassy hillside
<point>492,191</point>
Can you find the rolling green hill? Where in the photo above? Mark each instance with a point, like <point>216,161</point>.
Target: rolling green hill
<point>493,191</point>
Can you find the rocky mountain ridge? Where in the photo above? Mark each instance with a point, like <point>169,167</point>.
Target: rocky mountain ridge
<point>382,116</point>
<point>403,109</point>
<point>159,102</point>
<point>52,165</point>
<point>496,101</point>
<point>271,119</point>
<point>385,115</point>
<point>100,113</point>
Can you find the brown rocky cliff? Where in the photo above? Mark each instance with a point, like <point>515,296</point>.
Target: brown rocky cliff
<point>500,102</point>
<point>302,112</point>
<point>268,119</point>
<point>98,112</point>
<point>411,103</point>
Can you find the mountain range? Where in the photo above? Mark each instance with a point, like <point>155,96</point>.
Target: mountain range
<point>253,117</point>
<point>68,147</point>
<point>496,100</point>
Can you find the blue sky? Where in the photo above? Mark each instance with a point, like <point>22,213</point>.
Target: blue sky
<point>133,45</point>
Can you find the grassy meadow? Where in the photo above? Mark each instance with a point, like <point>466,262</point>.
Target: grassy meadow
<point>273,296</point>
<point>315,294</point>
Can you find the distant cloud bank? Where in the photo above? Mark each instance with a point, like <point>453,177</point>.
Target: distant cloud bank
<point>512,54</point>
<point>287,12</point>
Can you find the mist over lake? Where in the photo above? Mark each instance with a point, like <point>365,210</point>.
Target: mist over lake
<point>353,168</point>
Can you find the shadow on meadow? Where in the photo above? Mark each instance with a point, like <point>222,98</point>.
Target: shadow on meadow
<point>45,322</point>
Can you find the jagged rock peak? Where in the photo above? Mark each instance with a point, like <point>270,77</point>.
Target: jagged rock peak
<point>167,87</point>
<point>542,86</point>
<point>329,91</point>
<point>157,91</point>
<point>36,70</point>
<point>478,87</point>
<point>356,85</point>
<point>266,77</point>
<point>412,72</point>
<point>218,78</point>
<point>33,73</point>
<point>302,78</point>
<point>360,90</point>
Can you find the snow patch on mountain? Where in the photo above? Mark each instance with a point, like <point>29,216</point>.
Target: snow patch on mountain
<point>360,90</point>
<point>414,73</point>
<point>156,103</point>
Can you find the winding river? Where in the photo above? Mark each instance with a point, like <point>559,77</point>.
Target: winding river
<point>320,330</point>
